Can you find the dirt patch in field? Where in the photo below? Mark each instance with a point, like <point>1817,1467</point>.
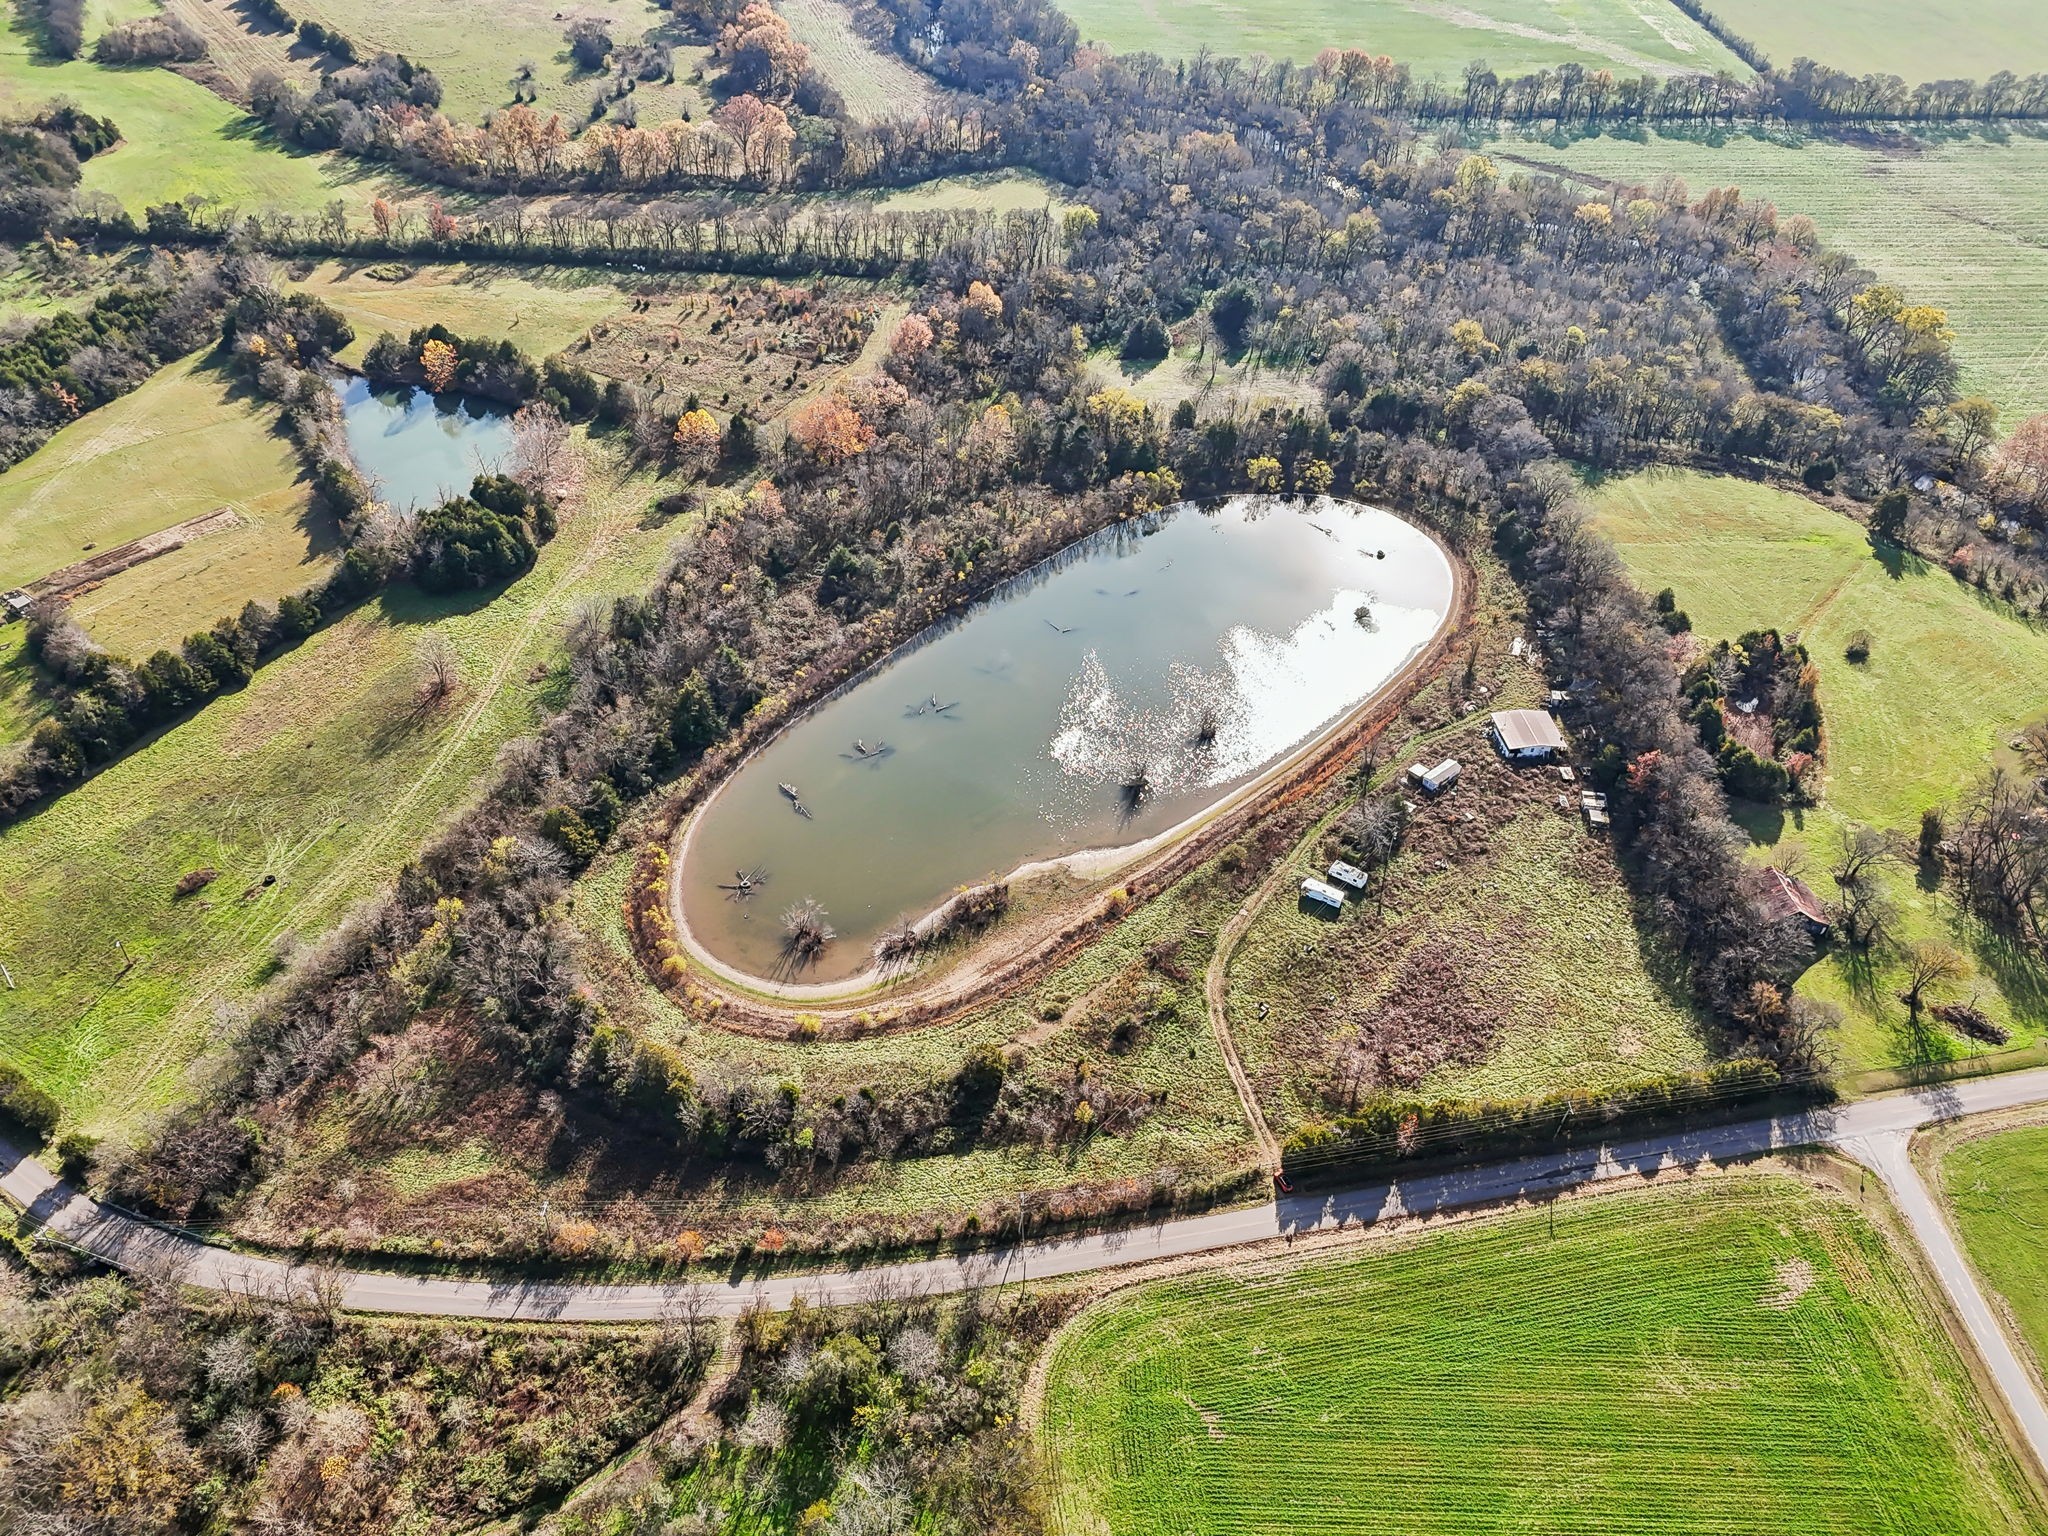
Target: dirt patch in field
<point>1794,1278</point>
<point>84,575</point>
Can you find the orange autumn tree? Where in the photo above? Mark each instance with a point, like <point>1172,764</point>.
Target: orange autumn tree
<point>437,361</point>
<point>830,429</point>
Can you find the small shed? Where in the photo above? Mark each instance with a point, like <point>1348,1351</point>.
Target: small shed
<point>1787,899</point>
<point>1526,735</point>
<point>14,605</point>
<point>1322,893</point>
<point>1347,875</point>
<point>1434,781</point>
<point>1593,806</point>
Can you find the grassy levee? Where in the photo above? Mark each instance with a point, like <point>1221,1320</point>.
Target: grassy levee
<point>317,778</point>
<point>1952,675</point>
<point>178,139</point>
<point>1956,219</point>
<point>1996,1189</point>
<point>188,442</point>
<point>1735,1355</point>
<point>1915,39</point>
<point>1431,39</point>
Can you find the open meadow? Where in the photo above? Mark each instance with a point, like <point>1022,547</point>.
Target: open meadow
<point>476,57</point>
<point>1996,1190</point>
<point>1626,36</point>
<point>1740,1354</point>
<point>188,442</point>
<point>1952,675</point>
<point>178,139</point>
<point>876,85</point>
<point>304,792</point>
<point>539,309</point>
<point>1914,39</point>
<point>1957,219</point>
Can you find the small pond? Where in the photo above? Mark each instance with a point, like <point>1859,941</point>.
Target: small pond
<point>420,449</point>
<point>1200,645</point>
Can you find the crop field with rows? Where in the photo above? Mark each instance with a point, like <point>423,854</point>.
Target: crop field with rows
<point>1737,1355</point>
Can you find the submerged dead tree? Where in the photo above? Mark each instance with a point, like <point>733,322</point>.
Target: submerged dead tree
<point>805,932</point>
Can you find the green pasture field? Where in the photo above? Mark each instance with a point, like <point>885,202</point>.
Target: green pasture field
<point>20,705</point>
<point>1735,1355</point>
<point>316,776</point>
<point>475,53</point>
<point>1626,36</point>
<point>1952,676</point>
<point>542,309</point>
<point>178,139</point>
<point>188,442</point>
<point>1996,1189</point>
<point>1200,371</point>
<point>1914,39</point>
<point>1955,219</point>
<point>875,85</point>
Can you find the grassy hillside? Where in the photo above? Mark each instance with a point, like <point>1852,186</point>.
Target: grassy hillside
<point>1952,675</point>
<point>1432,39</point>
<point>1996,1187</point>
<point>1737,1356</point>
<point>475,55</point>
<point>1957,220</point>
<point>305,792</point>
<point>178,139</point>
<point>1916,39</point>
<point>188,442</point>
<point>875,84</point>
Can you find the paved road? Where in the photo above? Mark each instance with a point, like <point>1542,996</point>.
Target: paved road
<point>1874,1131</point>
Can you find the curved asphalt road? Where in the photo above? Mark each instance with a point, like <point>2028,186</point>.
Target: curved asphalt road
<point>1875,1132</point>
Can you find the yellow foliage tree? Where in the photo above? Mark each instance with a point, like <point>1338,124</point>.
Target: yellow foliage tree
<point>1263,472</point>
<point>437,361</point>
<point>697,438</point>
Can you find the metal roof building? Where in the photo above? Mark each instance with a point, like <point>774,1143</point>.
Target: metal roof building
<point>1526,735</point>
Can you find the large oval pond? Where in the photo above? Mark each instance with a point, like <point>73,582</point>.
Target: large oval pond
<point>1192,649</point>
<point>420,449</point>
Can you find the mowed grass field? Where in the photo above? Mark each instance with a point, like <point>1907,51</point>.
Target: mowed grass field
<point>476,52</point>
<point>1632,36</point>
<point>540,309</point>
<point>186,443</point>
<point>178,139</point>
<point>1914,39</point>
<point>1738,1355</point>
<point>1957,220</point>
<point>315,777</point>
<point>1996,1190</point>
<point>1952,676</point>
<point>875,85</point>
